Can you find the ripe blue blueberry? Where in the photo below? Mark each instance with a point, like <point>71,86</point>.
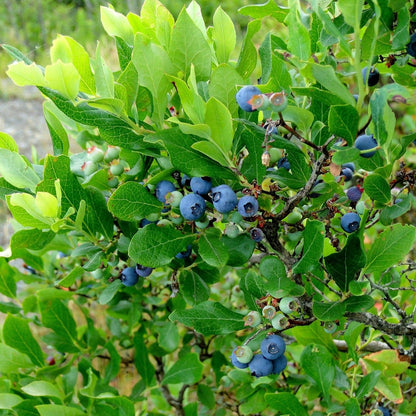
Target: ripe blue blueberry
<point>283,163</point>
<point>192,207</point>
<point>185,254</point>
<point>163,188</point>
<point>373,76</point>
<point>143,271</point>
<point>272,347</point>
<point>347,173</point>
<point>235,362</point>
<point>349,165</point>
<point>260,366</point>
<point>411,46</point>
<point>224,198</point>
<point>129,277</point>
<point>256,234</point>
<point>350,222</point>
<point>384,410</point>
<point>279,364</point>
<point>354,193</point>
<point>366,142</point>
<point>244,95</point>
<point>247,206</point>
<point>201,186</point>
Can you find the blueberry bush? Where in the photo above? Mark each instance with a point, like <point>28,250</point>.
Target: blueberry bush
<point>235,233</point>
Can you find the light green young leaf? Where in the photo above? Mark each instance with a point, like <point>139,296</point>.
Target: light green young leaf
<point>23,74</point>
<point>247,60</point>
<point>104,80</point>
<point>63,77</point>
<point>58,410</point>
<point>299,43</point>
<point>224,35</point>
<point>7,142</point>
<point>116,24</point>
<point>9,400</point>
<point>43,388</point>
<point>210,150</point>
<point>351,11</point>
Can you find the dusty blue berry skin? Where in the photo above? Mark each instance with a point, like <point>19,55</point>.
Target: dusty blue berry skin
<point>256,234</point>
<point>347,173</point>
<point>365,142</point>
<point>143,271</point>
<point>129,277</point>
<point>224,198</point>
<point>272,347</point>
<point>162,188</point>
<point>353,194</point>
<point>350,222</point>
<point>411,46</point>
<point>373,76</point>
<point>283,163</point>
<point>185,254</point>
<point>201,186</point>
<point>279,364</point>
<point>349,165</point>
<point>384,410</point>
<point>247,206</point>
<point>244,95</point>
<point>237,363</point>
<point>260,366</point>
<point>192,207</point>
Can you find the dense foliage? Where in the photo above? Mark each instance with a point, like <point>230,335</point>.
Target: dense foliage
<point>236,236</point>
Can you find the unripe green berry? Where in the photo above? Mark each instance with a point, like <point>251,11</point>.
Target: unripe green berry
<point>280,322</point>
<point>232,230</point>
<point>288,305</point>
<point>95,154</point>
<point>293,217</point>
<point>173,198</point>
<point>275,155</point>
<point>253,319</point>
<point>117,167</point>
<point>89,167</point>
<point>244,354</point>
<point>278,101</point>
<point>113,182</point>
<point>111,153</point>
<point>269,312</point>
<point>330,327</point>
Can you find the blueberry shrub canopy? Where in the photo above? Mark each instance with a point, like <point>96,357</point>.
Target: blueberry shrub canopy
<point>236,234</point>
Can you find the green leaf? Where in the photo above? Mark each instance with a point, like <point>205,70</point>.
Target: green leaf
<point>313,236</point>
<point>359,303</point>
<point>104,80</point>
<point>351,335</point>
<point>285,403</point>
<point>209,318</point>
<point>23,74</point>
<point>351,11</point>
<point>318,363</point>
<point>71,277</point>
<point>31,239</point>
<point>193,287</point>
<point>57,131</point>
<point>210,150</point>
<point>352,407</point>
<point>247,59</point>
<point>13,360</point>
<point>206,396</point>
<point>220,122</point>
<point>116,24</point>
<point>349,154</point>
<point>154,246</point>
<point>390,247</point>
<point>16,171</point>
<point>56,316</point>
<point>389,213</point>
<point>132,201</point>
<point>7,282</point>
<point>168,336</point>
<point>58,410</point>
<point>63,77</point>
<point>327,77</point>
<point>189,47</point>
<point>224,35</point>
<point>272,267</point>
<point>7,142</point>
<point>17,334</point>
<point>8,400</point>
<point>377,188</point>
<point>187,370</point>
<point>239,249</point>
<point>43,388</point>
<point>328,311</point>
<point>270,8</point>
<point>299,43</point>
<point>109,292</point>
<point>211,248</point>
<point>141,359</point>
<point>343,122</point>
<point>253,288</point>
<point>344,265</point>
<point>367,384</point>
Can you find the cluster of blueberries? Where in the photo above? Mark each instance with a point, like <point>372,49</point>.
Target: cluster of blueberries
<point>270,360</point>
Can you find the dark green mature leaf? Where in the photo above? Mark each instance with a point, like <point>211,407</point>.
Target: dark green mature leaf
<point>211,248</point>
<point>318,363</point>
<point>343,122</point>
<point>389,213</point>
<point>377,188</point>
<point>390,247</point>
<point>253,288</point>
<point>313,236</point>
<point>189,47</point>
<point>299,43</point>
<point>272,267</point>
<point>58,133</point>
<point>367,384</point>
<point>187,370</point>
<point>7,282</point>
<point>328,311</point>
<point>193,287</point>
<point>359,303</point>
<point>141,359</point>
<point>17,334</point>
<point>351,336</point>
<point>169,337</point>
<point>132,201</point>
<point>248,55</point>
<point>209,318</point>
<point>186,159</point>
<point>344,265</point>
<point>154,246</point>
<point>401,32</point>
<point>239,249</point>
<point>7,189</point>
<point>56,316</point>
<point>32,239</point>
<point>285,403</point>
